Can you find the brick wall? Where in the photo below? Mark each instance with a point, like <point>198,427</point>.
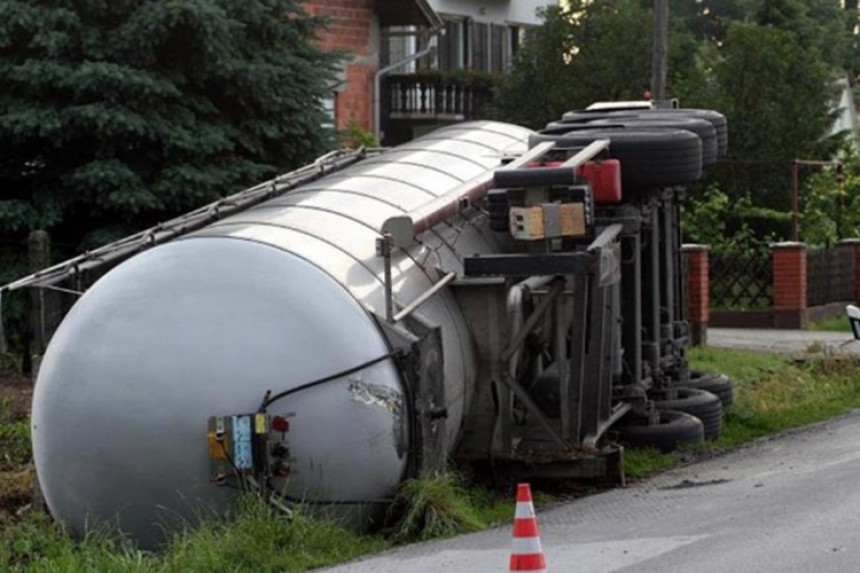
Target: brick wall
<point>353,29</point>
<point>698,289</point>
<point>789,285</point>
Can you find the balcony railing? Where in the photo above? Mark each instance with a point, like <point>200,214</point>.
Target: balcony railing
<point>430,97</point>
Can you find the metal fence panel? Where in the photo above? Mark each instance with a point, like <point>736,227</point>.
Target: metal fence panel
<point>741,281</point>
<point>830,276</point>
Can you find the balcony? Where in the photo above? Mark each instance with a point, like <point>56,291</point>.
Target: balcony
<point>415,103</point>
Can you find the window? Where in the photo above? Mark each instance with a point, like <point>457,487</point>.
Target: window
<point>480,52</point>
<point>513,44</point>
<point>453,45</point>
<point>400,43</point>
<point>329,110</point>
<point>497,48</point>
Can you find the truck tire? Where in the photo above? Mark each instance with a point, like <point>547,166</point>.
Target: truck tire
<point>699,403</point>
<point>716,119</point>
<point>649,158</point>
<point>585,115</point>
<point>713,382</point>
<point>674,429</point>
<point>703,128</point>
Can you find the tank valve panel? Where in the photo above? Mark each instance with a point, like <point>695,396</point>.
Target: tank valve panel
<point>245,446</point>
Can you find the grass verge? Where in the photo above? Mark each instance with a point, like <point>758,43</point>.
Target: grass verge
<point>254,538</point>
<point>834,323</point>
<point>772,394</point>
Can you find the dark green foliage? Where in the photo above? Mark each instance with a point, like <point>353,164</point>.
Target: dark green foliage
<point>775,93</point>
<point>589,51</point>
<point>114,114</point>
<point>831,203</point>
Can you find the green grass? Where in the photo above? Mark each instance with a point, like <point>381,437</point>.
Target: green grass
<point>642,462</point>
<point>14,438</point>
<point>834,323</point>
<point>772,394</point>
<point>255,539</point>
<point>442,506</point>
<point>16,472</point>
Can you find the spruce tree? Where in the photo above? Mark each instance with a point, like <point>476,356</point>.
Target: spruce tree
<point>117,113</point>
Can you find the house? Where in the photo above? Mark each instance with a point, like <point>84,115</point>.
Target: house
<point>418,64</point>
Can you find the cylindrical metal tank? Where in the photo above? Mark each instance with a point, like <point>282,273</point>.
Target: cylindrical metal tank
<point>268,299</point>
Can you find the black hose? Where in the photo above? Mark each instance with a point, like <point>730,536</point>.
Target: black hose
<point>269,399</point>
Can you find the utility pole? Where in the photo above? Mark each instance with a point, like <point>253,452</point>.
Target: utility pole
<point>659,56</point>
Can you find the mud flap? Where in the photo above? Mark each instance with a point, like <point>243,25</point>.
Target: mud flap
<point>422,367</point>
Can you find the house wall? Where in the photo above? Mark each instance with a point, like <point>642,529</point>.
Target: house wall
<point>520,12</point>
<point>355,29</point>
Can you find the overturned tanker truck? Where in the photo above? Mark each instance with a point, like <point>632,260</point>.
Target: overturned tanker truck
<point>505,298</point>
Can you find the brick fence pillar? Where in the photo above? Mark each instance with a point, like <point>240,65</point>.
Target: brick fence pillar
<point>789,285</point>
<point>698,289</point>
<point>854,244</point>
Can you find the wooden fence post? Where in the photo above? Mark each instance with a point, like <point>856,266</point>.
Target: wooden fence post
<point>39,252</point>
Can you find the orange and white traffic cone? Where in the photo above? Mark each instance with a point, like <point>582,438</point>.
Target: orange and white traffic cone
<point>526,554</point>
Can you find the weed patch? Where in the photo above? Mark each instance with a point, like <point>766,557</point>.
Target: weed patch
<point>442,506</point>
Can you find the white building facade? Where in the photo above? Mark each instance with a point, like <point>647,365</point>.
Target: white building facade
<point>482,35</point>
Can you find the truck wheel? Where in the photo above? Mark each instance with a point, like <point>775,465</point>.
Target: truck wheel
<point>673,430</point>
<point>699,403</point>
<point>713,382</point>
<point>655,158</point>
<point>716,119</point>
<point>703,128</point>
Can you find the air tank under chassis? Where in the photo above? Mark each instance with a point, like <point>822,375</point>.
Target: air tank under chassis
<point>269,299</point>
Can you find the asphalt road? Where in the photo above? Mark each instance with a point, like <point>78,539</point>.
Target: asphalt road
<point>794,342</point>
<point>789,504</point>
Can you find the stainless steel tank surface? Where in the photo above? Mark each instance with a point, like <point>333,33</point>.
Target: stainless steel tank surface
<point>268,299</point>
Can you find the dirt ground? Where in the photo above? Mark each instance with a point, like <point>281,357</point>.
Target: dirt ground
<point>16,467</point>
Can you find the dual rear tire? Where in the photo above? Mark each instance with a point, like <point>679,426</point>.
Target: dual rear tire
<point>704,399</point>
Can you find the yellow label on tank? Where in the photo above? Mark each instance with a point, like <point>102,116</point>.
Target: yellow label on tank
<point>217,450</point>
<point>261,425</point>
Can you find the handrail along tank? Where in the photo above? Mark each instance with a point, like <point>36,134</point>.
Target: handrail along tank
<point>268,299</point>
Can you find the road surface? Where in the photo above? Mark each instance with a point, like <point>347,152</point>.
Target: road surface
<point>794,342</point>
<point>789,504</point>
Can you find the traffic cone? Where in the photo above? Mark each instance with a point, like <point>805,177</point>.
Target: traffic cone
<point>526,553</point>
